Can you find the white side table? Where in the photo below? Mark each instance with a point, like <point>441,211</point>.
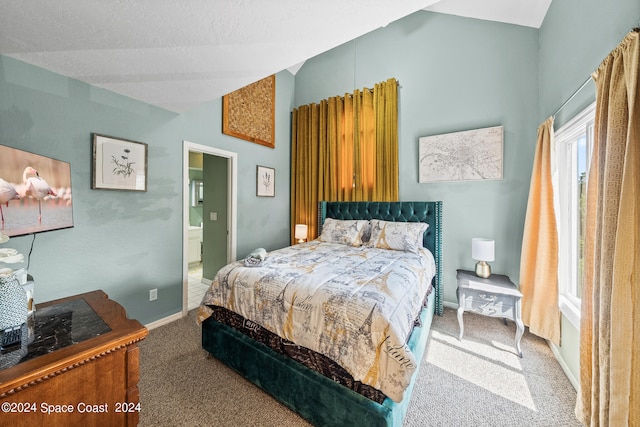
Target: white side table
<point>496,296</point>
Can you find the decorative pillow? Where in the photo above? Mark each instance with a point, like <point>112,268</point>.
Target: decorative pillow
<point>345,232</point>
<point>399,236</point>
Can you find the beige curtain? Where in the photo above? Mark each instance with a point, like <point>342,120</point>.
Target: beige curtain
<point>610,318</point>
<point>344,149</point>
<point>539,259</point>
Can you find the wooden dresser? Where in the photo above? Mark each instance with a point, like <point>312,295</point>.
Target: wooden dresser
<point>80,367</point>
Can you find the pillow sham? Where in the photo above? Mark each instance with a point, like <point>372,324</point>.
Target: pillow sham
<point>345,232</point>
<point>398,236</point>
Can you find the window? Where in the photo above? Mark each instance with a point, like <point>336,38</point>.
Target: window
<point>573,149</point>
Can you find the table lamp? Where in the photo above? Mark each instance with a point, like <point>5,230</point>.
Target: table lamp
<point>301,232</point>
<point>482,250</point>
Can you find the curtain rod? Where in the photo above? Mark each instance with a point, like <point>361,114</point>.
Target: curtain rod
<point>572,96</point>
<point>370,90</point>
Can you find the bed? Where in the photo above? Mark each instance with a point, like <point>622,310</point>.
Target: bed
<point>320,387</point>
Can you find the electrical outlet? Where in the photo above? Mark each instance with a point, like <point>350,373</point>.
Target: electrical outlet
<point>153,294</point>
<point>213,216</point>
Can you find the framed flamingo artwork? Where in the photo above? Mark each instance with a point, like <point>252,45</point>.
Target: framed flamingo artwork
<point>35,193</point>
<point>119,164</point>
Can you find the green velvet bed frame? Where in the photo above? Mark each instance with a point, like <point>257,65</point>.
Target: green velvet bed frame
<point>315,397</point>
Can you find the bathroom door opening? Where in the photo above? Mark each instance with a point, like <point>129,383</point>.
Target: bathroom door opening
<point>211,221</point>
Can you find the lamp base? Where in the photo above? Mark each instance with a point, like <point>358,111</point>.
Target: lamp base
<point>483,269</point>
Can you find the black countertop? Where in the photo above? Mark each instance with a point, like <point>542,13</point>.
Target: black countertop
<point>55,327</point>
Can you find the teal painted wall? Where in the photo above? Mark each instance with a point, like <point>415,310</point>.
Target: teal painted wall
<point>129,242</point>
<point>455,74</point>
<point>576,36</point>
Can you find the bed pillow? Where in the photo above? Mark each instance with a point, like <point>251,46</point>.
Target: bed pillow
<point>399,236</point>
<point>345,232</point>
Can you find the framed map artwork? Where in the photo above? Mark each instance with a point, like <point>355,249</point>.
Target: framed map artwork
<point>472,155</point>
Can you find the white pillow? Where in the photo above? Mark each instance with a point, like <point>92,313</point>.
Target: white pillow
<point>345,232</point>
<point>399,236</point>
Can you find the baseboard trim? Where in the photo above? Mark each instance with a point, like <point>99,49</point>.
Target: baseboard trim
<point>572,379</point>
<point>554,349</point>
<point>450,304</point>
<point>164,321</point>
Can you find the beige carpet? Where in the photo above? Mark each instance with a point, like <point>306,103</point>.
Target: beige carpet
<point>478,381</point>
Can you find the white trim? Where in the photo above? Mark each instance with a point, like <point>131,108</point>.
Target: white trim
<point>564,186</point>
<point>450,304</point>
<point>565,368</point>
<point>579,120</point>
<point>570,310</point>
<point>164,321</point>
<point>232,209</point>
<point>554,349</point>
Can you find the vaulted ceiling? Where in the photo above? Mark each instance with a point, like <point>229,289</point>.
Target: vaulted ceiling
<point>180,54</point>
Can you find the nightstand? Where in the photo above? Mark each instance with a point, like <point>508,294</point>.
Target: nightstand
<point>496,296</point>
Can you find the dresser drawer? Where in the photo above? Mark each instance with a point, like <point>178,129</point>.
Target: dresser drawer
<point>489,304</point>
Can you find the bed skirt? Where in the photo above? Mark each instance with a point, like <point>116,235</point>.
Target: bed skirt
<point>315,397</point>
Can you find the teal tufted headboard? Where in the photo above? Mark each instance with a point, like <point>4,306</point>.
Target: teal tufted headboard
<point>428,212</point>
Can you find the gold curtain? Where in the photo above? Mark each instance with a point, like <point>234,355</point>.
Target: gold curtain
<point>344,149</point>
<point>385,188</point>
<point>610,318</point>
<point>539,259</point>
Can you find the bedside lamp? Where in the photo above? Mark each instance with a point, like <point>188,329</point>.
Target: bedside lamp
<point>482,250</point>
<point>301,232</point>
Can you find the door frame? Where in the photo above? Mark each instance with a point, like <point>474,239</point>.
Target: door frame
<point>232,208</point>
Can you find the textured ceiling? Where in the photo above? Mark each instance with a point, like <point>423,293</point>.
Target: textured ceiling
<point>180,54</point>
<point>528,13</point>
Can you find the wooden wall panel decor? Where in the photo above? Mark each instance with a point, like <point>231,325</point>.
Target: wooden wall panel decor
<point>249,112</point>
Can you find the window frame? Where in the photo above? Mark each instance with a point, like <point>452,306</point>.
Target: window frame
<point>565,186</point>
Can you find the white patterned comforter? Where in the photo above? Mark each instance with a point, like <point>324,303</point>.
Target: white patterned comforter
<point>355,305</point>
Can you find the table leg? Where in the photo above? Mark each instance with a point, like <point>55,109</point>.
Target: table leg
<point>520,328</point>
<point>460,321</point>
<point>460,311</point>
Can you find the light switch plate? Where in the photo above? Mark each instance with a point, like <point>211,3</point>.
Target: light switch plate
<point>213,216</point>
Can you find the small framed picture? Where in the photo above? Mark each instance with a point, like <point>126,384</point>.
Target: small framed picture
<point>265,181</point>
<point>119,164</point>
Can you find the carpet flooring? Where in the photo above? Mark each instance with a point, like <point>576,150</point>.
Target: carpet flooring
<point>478,381</point>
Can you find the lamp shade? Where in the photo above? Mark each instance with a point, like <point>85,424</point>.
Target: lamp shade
<point>301,231</point>
<point>482,249</point>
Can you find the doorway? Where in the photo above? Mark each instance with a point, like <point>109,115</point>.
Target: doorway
<point>217,218</point>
